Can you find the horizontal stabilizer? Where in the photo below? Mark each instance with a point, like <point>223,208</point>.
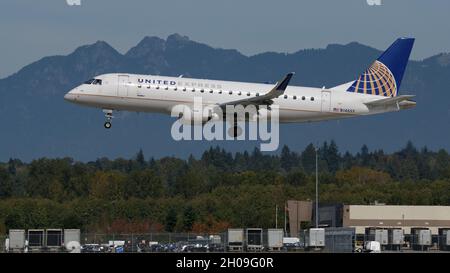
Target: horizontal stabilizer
<point>389,101</point>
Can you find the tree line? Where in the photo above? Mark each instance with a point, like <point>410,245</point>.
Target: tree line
<point>213,192</point>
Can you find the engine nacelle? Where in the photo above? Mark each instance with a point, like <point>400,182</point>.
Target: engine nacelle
<point>198,116</point>
<point>263,114</point>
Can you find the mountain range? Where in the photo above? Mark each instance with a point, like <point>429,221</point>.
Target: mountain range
<point>36,121</point>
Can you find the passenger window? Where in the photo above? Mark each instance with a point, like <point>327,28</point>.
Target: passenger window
<point>202,90</point>
<point>248,94</point>
<point>139,86</point>
<point>303,98</point>
<point>239,93</point>
<point>231,92</point>
<point>175,89</point>
<point>211,91</point>
<point>193,89</point>
<point>220,91</point>
<point>184,89</point>
<point>312,98</point>
<point>148,87</point>
<point>294,97</point>
<point>285,96</point>
<point>257,94</point>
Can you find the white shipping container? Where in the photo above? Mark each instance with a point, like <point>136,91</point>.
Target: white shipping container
<point>424,237</point>
<point>235,236</point>
<point>397,237</point>
<point>16,239</point>
<point>315,237</point>
<point>275,238</point>
<point>71,235</point>
<point>381,236</point>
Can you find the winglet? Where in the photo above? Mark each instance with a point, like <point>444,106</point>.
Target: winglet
<point>281,86</point>
<point>266,98</point>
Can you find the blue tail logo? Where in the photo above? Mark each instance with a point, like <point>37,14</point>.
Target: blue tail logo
<point>384,76</point>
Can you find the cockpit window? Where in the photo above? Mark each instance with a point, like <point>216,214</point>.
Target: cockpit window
<point>97,81</point>
<point>94,81</point>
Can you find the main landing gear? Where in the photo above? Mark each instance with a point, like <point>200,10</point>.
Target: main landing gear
<point>108,116</point>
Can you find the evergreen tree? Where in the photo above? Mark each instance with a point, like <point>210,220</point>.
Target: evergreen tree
<point>6,187</point>
<point>332,157</point>
<point>189,217</point>
<point>12,167</point>
<point>309,159</point>
<point>287,159</point>
<point>364,155</point>
<point>171,220</point>
<point>140,159</point>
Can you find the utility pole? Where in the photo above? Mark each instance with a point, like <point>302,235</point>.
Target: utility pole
<point>317,187</point>
<point>276,215</point>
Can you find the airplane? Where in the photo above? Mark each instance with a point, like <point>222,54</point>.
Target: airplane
<point>375,91</point>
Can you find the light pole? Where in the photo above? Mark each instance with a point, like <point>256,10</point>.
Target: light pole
<point>276,216</point>
<point>317,187</point>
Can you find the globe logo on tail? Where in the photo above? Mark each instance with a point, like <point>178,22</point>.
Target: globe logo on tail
<point>376,80</point>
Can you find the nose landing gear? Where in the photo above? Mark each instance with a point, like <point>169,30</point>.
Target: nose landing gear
<point>108,116</point>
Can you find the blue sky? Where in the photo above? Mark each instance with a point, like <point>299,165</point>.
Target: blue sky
<point>31,29</point>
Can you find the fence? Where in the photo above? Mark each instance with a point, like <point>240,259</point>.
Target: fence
<point>157,242</point>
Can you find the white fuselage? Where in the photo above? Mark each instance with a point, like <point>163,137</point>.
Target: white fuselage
<point>148,93</point>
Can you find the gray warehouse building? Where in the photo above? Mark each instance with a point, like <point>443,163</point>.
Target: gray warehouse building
<point>361,217</point>
<point>404,217</point>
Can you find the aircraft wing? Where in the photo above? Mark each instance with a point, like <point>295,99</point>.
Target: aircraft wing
<point>265,99</point>
<point>389,101</point>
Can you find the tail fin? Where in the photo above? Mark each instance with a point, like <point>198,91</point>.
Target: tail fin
<point>385,75</point>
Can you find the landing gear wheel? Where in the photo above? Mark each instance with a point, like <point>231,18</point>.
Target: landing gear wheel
<point>108,116</point>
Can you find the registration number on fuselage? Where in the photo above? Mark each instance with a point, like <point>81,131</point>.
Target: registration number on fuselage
<point>344,110</point>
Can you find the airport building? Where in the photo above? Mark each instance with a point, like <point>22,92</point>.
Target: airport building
<point>361,217</point>
<point>404,217</point>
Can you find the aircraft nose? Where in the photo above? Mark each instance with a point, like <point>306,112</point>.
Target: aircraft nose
<point>69,96</point>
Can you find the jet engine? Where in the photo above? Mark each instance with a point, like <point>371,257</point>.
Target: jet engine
<point>192,116</point>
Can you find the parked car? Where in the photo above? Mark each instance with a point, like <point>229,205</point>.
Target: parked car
<point>94,248</point>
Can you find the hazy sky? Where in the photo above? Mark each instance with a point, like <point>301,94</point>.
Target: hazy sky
<point>31,29</point>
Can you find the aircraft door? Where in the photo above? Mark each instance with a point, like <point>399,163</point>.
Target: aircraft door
<point>122,86</point>
<point>326,101</point>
